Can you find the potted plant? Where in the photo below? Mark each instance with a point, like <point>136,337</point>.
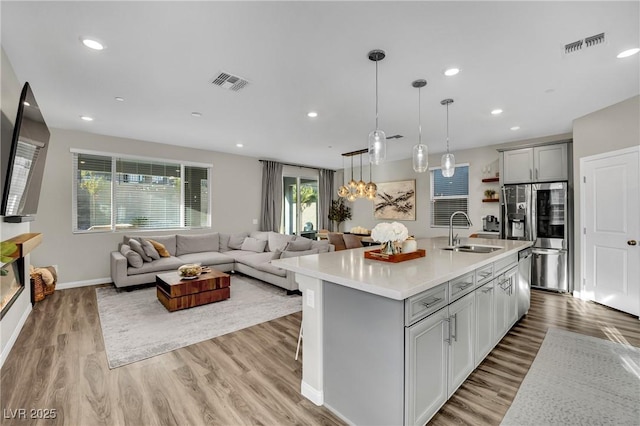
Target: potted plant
<point>489,193</point>
<point>338,212</point>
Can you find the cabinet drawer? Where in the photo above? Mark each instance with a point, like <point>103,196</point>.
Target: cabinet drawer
<point>505,263</point>
<point>460,286</point>
<point>484,274</point>
<point>425,303</point>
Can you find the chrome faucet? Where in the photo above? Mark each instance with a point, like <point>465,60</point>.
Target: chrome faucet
<point>454,241</point>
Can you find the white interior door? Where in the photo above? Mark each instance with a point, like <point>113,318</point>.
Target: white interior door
<point>611,221</point>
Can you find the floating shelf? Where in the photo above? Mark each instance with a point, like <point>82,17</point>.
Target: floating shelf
<point>490,200</point>
<point>493,179</point>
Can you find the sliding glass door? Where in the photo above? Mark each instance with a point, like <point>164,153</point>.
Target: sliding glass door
<point>300,212</point>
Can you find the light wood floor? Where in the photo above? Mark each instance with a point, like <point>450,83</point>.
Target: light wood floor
<point>246,377</point>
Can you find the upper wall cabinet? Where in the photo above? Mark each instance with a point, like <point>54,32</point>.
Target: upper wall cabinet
<point>545,163</point>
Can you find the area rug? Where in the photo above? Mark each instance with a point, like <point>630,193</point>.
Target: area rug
<point>579,380</point>
<point>136,326</point>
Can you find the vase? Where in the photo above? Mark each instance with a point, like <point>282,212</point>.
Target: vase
<point>409,246</point>
<point>389,248</point>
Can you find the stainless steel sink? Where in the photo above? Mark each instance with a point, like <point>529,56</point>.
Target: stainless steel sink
<point>472,248</point>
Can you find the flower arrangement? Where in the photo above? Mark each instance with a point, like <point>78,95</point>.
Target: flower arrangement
<point>389,234</point>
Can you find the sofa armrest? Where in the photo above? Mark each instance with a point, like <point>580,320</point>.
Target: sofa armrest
<point>118,267</point>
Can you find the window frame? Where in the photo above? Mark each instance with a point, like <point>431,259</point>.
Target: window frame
<point>114,158</point>
<point>433,198</point>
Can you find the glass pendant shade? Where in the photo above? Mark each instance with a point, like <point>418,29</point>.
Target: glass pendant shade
<point>352,184</point>
<point>343,191</point>
<point>371,188</point>
<point>351,197</point>
<point>420,158</point>
<point>371,196</point>
<point>377,147</point>
<point>360,193</point>
<point>448,164</point>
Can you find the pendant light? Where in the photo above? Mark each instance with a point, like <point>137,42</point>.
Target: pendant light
<point>371,188</point>
<point>352,183</point>
<point>420,151</point>
<point>343,191</point>
<point>360,186</point>
<point>448,162</point>
<point>377,138</point>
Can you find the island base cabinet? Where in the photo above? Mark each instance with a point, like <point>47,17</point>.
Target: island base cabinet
<point>506,303</point>
<point>484,321</point>
<point>461,346</point>
<point>427,351</point>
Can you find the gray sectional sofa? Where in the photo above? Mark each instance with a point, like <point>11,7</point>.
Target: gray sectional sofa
<point>250,254</point>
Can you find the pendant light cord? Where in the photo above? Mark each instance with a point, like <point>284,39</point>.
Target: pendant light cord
<point>351,167</point>
<point>360,167</point>
<point>376,95</point>
<point>419,116</point>
<point>447,128</point>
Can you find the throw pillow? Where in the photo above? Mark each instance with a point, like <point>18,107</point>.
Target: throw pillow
<point>253,244</point>
<point>322,246</point>
<point>298,245</point>
<point>287,254</point>
<point>278,241</point>
<point>149,249</point>
<point>160,248</point>
<point>224,242</point>
<point>197,243</point>
<point>235,241</point>
<point>133,258</point>
<point>137,247</point>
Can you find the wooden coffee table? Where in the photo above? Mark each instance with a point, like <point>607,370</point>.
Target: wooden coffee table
<point>176,293</point>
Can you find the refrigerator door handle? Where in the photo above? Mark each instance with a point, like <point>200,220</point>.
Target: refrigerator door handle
<point>531,223</point>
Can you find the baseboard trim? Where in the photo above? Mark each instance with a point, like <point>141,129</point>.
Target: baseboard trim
<point>312,394</point>
<point>84,283</point>
<point>14,335</point>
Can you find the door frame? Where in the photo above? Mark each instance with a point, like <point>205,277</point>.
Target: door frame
<point>579,290</point>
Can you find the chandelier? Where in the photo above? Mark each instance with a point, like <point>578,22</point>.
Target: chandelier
<point>357,189</point>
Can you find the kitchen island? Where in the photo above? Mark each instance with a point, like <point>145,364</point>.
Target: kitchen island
<point>389,343</point>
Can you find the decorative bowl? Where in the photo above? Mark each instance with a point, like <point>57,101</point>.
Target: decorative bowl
<point>190,270</point>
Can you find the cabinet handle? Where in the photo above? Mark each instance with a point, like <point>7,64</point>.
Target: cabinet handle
<point>530,174</point>
<point>487,290</point>
<point>455,327</point>
<point>431,303</point>
<point>501,284</point>
<point>462,286</point>
<point>448,339</point>
<point>536,173</point>
<point>485,274</point>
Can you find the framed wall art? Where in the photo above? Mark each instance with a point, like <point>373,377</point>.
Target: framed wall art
<point>395,201</point>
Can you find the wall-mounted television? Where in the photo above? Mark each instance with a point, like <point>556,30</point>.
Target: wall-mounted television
<point>27,151</point>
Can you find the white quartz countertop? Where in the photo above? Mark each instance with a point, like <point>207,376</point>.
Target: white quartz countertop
<point>401,280</point>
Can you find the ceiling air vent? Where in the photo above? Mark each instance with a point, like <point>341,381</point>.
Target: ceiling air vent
<point>587,42</point>
<point>229,81</point>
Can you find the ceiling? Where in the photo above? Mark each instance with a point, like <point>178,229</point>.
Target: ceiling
<point>312,56</point>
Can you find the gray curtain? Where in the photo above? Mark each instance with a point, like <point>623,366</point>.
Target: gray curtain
<point>325,195</point>
<point>271,207</point>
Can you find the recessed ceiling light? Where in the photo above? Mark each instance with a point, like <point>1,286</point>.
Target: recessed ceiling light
<point>312,114</point>
<point>451,71</point>
<point>92,44</point>
<point>239,145</point>
<point>86,118</point>
<point>196,114</point>
<point>515,128</point>
<point>119,99</point>
<point>496,111</point>
<point>628,52</point>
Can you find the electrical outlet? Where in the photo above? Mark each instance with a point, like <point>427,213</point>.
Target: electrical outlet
<point>255,221</point>
<point>311,302</point>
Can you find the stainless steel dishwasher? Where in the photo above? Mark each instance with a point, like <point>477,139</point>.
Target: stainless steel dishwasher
<point>524,281</point>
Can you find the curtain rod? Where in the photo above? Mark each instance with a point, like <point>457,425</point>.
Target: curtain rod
<point>298,165</point>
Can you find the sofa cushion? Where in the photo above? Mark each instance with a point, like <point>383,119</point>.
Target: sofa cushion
<point>224,242</point>
<point>253,244</point>
<point>207,258</point>
<point>260,235</point>
<point>278,241</point>
<point>160,248</point>
<point>169,241</point>
<point>161,265</point>
<point>322,246</point>
<point>197,243</point>
<point>136,246</point>
<point>236,240</point>
<point>298,245</point>
<point>149,249</point>
<point>255,259</point>
<point>133,258</point>
<point>271,269</point>
<point>238,254</point>
<point>288,254</point>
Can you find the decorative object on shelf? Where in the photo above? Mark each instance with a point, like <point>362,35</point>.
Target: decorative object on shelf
<point>490,193</point>
<point>420,151</point>
<point>395,201</point>
<point>359,230</point>
<point>189,271</point>
<point>338,212</point>
<point>409,245</point>
<point>377,138</point>
<point>448,162</point>
<point>391,235</point>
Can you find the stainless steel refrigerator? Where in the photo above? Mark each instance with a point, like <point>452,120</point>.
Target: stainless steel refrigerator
<point>541,212</point>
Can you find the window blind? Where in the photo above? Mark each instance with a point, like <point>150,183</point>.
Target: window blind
<point>448,195</point>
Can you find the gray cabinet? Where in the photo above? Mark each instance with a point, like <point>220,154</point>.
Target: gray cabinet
<point>546,163</point>
<point>505,302</point>
<point>426,360</point>
<point>484,321</point>
<point>462,341</point>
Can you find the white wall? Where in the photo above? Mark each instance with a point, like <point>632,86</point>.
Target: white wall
<point>12,322</point>
<point>84,258</point>
<point>609,129</point>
